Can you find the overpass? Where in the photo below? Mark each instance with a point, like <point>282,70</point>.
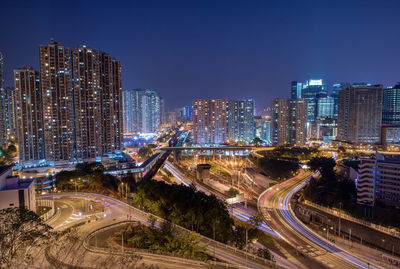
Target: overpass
<point>222,148</point>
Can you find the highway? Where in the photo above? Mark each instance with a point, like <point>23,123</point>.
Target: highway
<point>274,203</point>
<point>70,213</point>
<point>237,211</point>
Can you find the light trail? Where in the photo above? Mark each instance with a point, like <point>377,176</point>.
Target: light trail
<point>280,198</point>
<point>239,212</point>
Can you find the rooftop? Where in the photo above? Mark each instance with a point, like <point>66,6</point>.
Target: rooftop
<point>4,169</point>
<point>18,184</point>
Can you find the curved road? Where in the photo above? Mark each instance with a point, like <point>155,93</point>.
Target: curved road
<point>274,203</point>
<point>116,210</point>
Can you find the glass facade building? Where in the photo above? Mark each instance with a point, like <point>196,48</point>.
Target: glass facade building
<point>391,105</point>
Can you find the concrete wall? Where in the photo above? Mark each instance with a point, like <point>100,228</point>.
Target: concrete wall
<point>9,198</point>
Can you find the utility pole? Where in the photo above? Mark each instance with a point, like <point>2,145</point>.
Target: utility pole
<point>246,239</point>
<point>340,212</point>
<point>214,237</point>
<point>350,236</point>
<point>238,180</point>
<point>122,241</point>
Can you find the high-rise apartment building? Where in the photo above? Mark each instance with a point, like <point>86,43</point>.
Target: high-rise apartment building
<point>240,116</point>
<point>111,103</point>
<point>151,116</point>
<point>163,112</point>
<point>97,103</point>
<point>360,114</point>
<point>391,105</point>
<point>209,121</point>
<point>29,115</point>
<point>131,110</point>
<point>289,121</point>
<point>11,124</point>
<point>87,94</point>
<point>266,125</point>
<point>1,70</point>
<point>3,107</point>
<point>142,111</point>
<point>55,76</point>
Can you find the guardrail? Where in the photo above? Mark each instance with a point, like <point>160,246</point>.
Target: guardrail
<point>49,203</point>
<point>132,251</point>
<point>249,256</point>
<point>331,211</point>
<point>128,250</point>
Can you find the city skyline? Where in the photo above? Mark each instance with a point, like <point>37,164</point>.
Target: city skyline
<point>270,44</point>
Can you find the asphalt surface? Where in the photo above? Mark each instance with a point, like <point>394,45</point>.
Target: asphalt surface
<point>237,211</point>
<point>115,211</point>
<point>276,208</point>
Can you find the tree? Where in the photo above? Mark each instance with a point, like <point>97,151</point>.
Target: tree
<point>145,152</point>
<point>323,164</point>
<point>264,253</point>
<point>257,141</point>
<point>342,149</point>
<point>233,192</point>
<point>20,230</point>
<point>256,220</point>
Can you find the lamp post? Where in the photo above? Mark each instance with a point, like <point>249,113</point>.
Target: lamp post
<point>340,212</point>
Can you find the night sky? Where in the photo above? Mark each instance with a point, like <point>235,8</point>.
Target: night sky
<point>215,49</point>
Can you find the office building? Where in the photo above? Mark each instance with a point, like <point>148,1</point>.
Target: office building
<point>360,114</point>
<point>391,105</point>
<point>209,121</point>
<point>379,181</point>
<point>142,111</point>
<point>29,119</point>
<point>97,103</point>
<point>335,95</point>
<point>15,192</point>
<point>296,88</point>
<point>289,121</point>
<point>390,135</point>
<point>186,114</point>
<point>55,77</point>
<point>325,107</point>
<point>240,116</point>
<point>312,91</point>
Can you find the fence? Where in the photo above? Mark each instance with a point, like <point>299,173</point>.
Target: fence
<point>331,211</point>
<point>48,203</point>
